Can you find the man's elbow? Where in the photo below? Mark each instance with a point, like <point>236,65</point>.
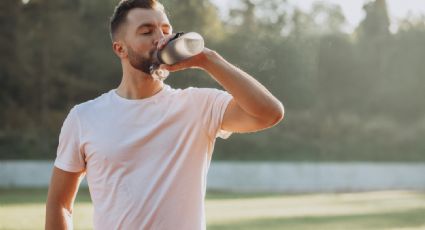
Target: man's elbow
<point>277,114</point>
<point>280,113</point>
<point>57,217</point>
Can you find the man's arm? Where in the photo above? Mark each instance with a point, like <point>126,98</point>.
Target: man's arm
<point>253,107</point>
<point>60,199</point>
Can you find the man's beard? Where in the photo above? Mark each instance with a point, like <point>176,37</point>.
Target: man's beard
<point>139,62</point>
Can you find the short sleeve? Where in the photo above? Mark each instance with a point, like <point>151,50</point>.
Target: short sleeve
<point>216,102</point>
<point>70,156</point>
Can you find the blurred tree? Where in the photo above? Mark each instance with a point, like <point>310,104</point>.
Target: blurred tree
<point>259,18</point>
<point>245,17</point>
<point>347,96</point>
<point>372,51</point>
<point>195,15</point>
<point>12,112</point>
<point>376,23</point>
<point>55,37</point>
<point>301,22</point>
<point>328,17</point>
<point>9,62</point>
<point>337,83</point>
<point>323,18</point>
<point>402,93</point>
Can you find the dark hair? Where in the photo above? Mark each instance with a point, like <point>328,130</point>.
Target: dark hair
<point>122,9</point>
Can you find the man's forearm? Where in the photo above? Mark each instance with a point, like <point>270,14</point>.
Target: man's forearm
<point>58,217</point>
<point>251,95</point>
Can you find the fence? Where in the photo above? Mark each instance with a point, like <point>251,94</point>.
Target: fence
<point>263,176</point>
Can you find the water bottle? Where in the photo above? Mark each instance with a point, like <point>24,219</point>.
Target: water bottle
<point>179,48</point>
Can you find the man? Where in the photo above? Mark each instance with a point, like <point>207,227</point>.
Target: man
<point>145,147</point>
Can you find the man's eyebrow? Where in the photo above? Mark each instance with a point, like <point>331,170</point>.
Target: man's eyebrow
<point>149,25</point>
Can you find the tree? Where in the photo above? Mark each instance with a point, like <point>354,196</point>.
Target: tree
<point>195,15</point>
<point>9,14</point>
<point>374,45</point>
<point>11,100</point>
<point>376,23</point>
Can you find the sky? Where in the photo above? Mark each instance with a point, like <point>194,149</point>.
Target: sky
<point>352,8</point>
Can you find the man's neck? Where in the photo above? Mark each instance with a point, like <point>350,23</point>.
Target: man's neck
<point>138,85</point>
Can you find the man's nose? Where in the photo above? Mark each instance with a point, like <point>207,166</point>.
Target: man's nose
<point>158,36</point>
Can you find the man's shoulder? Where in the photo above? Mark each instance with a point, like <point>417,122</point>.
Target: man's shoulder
<point>200,90</point>
<point>93,104</point>
<point>198,95</point>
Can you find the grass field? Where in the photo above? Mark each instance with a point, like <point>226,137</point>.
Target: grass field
<point>24,209</point>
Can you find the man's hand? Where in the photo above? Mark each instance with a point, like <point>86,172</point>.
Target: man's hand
<point>197,61</point>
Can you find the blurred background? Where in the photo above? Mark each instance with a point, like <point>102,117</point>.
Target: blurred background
<point>351,75</point>
<point>352,92</point>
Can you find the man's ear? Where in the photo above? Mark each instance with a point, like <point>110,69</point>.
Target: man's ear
<point>119,49</point>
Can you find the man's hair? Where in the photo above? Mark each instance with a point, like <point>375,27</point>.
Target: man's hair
<point>124,6</point>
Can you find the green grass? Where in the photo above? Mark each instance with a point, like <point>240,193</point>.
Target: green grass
<point>24,209</point>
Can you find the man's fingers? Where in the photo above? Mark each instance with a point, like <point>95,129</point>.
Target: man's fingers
<point>176,67</point>
<point>171,68</point>
<point>185,64</point>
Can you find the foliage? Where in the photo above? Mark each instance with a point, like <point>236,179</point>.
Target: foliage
<point>348,96</point>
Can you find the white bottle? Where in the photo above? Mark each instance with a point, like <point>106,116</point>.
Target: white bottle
<point>181,47</point>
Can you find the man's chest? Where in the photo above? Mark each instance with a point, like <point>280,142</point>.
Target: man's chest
<point>143,136</point>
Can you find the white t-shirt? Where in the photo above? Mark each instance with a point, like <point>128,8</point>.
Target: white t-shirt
<point>146,160</point>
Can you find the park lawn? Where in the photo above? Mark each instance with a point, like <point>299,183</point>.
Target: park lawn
<point>24,209</point>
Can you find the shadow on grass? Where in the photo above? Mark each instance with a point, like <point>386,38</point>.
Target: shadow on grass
<point>39,195</point>
<point>406,219</point>
<point>224,195</point>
